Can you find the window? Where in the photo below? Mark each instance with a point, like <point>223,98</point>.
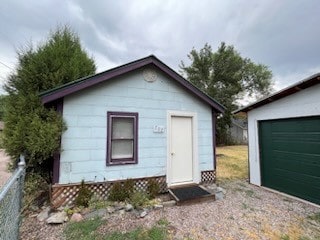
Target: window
<point>122,142</point>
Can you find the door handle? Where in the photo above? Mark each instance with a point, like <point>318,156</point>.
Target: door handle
<point>172,153</point>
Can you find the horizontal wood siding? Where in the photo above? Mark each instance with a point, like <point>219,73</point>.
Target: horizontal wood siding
<point>84,143</point>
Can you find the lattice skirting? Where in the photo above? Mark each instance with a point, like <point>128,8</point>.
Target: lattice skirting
<point>65,194</point>
<point>208,176</point>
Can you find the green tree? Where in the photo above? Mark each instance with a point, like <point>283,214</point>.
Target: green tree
<point>227,77</point>
<point>31,128</point>
<point>2,106</point>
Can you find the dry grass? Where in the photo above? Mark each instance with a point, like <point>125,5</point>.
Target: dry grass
<point>232,162</point>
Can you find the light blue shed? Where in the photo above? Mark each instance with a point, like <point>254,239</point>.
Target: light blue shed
<point>139,120</point>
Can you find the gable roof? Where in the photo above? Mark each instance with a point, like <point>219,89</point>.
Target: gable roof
<point>86,82</point>
<point>306,83</point>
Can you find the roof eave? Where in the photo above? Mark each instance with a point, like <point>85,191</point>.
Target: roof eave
<point>306,83</point>
<point>63,91</point>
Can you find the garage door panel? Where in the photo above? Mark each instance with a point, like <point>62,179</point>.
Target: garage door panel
<point>303,146</point>
<point>308,164</point>
<point>297,177</point>
<point>298,189</point>
<point>290,156</point>
<point>308,125</point>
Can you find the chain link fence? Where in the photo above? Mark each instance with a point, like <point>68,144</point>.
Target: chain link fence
<point>10,203</point>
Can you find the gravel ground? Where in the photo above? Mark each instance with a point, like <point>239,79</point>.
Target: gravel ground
<point>247,212</point>
<point>4,173</point>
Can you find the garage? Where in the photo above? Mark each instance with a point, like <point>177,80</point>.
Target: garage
<point>290,156</point>
<point>284,140</point>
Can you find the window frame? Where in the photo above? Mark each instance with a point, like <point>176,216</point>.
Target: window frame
<point>122,161</point>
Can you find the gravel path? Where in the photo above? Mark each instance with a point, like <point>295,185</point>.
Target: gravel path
<point>247,212</point>
<point>4,174</point>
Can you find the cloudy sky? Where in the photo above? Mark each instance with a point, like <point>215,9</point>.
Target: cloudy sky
<point>284,35</point>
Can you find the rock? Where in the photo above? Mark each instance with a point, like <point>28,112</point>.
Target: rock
<point>59,217</point>
<point>34,208</point>
<point>220,189</point>
<point>86,211</point>
<point>111,210</point>
<point>44,214</point>
<point>143,214</point>
<point>119,205</point>
<point>219,195</point>
<point>128,207</point>
<point>158,206</point>
<point>60,209</point>
<point>122,212</point>
<point>97,213</point>
<point>211,186</point>
<point>170,203</point>
<point>76,217</point>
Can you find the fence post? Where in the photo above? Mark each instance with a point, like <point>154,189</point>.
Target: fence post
<point>10,203</point>
<point>22,162</point>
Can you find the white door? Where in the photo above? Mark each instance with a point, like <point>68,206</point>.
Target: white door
<point>181,148</point>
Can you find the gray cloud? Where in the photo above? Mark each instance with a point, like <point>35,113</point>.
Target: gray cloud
<point>281,34</point>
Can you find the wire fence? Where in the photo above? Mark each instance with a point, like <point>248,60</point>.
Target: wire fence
<point>10,203</point>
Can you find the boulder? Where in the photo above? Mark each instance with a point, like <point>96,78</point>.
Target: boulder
<point>76,217</point>
<point>58,218</point>
<point>122,212</point>
<point>170,203</point>
<point>143,214</point>
<point>44,214</point>
<point>111,210</point>
<point>119,205</point>
<point>220,189</point>
<point>96,213</point>
<point>128,207</point>
<point>158,206</point>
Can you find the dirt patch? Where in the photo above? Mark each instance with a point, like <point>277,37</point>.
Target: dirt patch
<point>247,212</point>
<point>4,173</point>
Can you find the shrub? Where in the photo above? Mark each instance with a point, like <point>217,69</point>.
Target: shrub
<point>84,196</point>
<point>36,190</point>
<point>153,188</point>
<point>139,199</point>
<point>97,203</point>
<point>121,191</point>
<point>128,186</point>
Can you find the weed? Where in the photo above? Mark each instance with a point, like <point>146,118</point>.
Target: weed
<point>163,222</point>
<point>153,188</point>
<point>285,237</point>
<point>304,238</point>
<point>315,217</point>
<point>96,203</point>
<point>154,233</point>
<point>287,200</point>
<point>84,230</point>
<point>139,199</point>
<point>245,206</point>
<point>249,193</point>
<point>84,196</point>
<point>35,190</point>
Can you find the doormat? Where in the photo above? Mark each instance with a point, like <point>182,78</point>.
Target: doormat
<point>189,193</point>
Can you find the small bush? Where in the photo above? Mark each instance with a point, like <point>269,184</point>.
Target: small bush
<point>121,191</point>
<point>96,202</point>
<point>153,188</point>
<point>36,190</point>
<point>128,186</point>
<point>84,196</point>
<point>139,199</point>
